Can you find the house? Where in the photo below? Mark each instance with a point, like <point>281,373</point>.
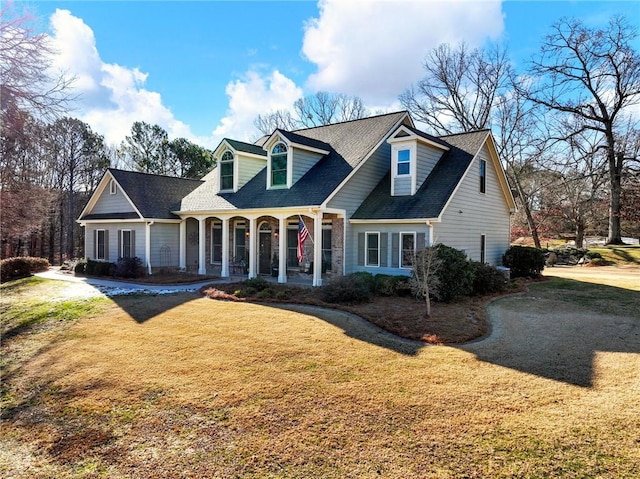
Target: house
<point>369,193</point>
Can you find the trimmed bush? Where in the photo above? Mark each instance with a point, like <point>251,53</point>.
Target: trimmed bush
<point>487,279</point>
<point>21,267</point>
<point>389,285</point>
<point>455,274</point>
<point>367,278</point>
<point>256,283</point>
<point>80,267</point>
<point>129,268</point>
<point>100,268</point>
<point>352,289</point>
<point>524,261</point>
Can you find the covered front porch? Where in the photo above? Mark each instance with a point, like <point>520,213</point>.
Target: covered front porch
<point>293,246</point>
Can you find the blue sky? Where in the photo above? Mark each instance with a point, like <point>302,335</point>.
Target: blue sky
<point>205,69</point>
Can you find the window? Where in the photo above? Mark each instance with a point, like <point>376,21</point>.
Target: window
<point>326,245</point>
<point>126,244</point>
<point>483,248</point>
<point>407,250</point>
<point>372,257</point>
<point>240,241</point>
<point>112,187</point>
<point>101,249</point>
<point>292,244</point>
<point>483,176</point>
<point>279,165</point>
<point>216,242</point>
<point>404,163</point>
<point>226,171</point>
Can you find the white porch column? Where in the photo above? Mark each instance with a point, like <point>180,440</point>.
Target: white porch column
<point>252,247</point>
<point>202,240</point>
<point>317,249</point>
<point>183,245</point>
<point>225,248</point>
<point>147,245</point>
<point>282,251</point>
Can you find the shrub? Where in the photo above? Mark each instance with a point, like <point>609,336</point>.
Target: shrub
<point>487,279</point>
<point>455,274</point>
<point>284,294</point>
<point>524,261</point>
<point>389,285</point>
<point>129,268</point>
<point>256,283</point>
<point>21,267</point>
<point>100,268</point>
<point>80,267</point>
<point>266,293</point>
<point>351,289</point>
<point>367,278</point>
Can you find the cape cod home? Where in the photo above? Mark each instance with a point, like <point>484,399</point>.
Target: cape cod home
<point>365,194</point>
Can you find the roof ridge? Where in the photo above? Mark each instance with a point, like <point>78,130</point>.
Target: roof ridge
<point>465,133</point>
<point>349,121</point>
<point>152,174</point>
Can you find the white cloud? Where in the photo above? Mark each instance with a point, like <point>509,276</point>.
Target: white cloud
<point>251,95</point>
<point>375,49</point>
<point>111,97</point>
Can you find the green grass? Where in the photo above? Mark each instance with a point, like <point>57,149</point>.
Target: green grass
<point>629,254</point>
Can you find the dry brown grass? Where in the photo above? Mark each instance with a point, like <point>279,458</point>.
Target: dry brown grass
<point>182,386</point>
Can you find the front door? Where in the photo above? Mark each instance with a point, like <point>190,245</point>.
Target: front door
<point>264,252</point>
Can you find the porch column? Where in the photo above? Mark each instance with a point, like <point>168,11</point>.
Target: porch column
<point>282,251</point>
<point>147,245</point>
<point>317,249</point>
<point>252,248</point>
<point>202,240</point>
<point>183,245</point>
<point>225,248</point>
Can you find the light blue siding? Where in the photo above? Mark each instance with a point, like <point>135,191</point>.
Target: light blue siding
<point>428,156</point>
<point>303,161</point>
<point>471,214</point>
<point>402,186</point>
<point>108,203</point>
<point>165,245</point>
<point>113,230</point>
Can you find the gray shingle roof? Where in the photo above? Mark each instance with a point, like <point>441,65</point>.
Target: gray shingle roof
<point>349,143</point>
<point>155,196</point>
<point>434,193</point>
<point>246,147</point>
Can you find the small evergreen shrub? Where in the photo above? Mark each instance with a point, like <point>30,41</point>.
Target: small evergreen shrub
<point>266,293</point>
<point>455,274</point>
<point>389,285</point>
<point>352,289</point>
<point>256,283</point>
<point>367,278</point>
<point>524,261</point>
<point>21,267</point>
<point>487,279</point>
<point>129,268</point>
<point>80,267</point>
<point>100,268</point>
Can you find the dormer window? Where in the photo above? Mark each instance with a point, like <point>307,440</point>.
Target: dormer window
<point>279,155</point>
<point>404,163</point>
<point>226,171</point>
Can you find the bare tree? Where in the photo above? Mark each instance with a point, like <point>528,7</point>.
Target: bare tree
<point>592,74</point>
<point>424,280</point>
<point>315,110</point>
<point>26,81</point>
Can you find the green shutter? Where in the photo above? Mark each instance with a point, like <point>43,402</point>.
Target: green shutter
<point>395,250</point>
<point>384,249</point>
<point>361,249</point>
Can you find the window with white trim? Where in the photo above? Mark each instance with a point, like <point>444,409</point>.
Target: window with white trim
<point>101,244</point>
<point>407,249</point>
<point>126,243</point>
<point>279,156</point>
<point>226,171</point>
<point>372,245</point>
<point>113,189</point>
<point>216,241</point>
<point>483,176</point>
<point>403,162</point>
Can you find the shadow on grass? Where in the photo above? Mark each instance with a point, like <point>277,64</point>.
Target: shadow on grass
<point>556,329</point>
<point>143,307</point>
<point>356,327</point>
<point>624,254</point>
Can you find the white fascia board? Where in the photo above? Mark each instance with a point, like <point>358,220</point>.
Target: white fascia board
<point>275,212</point>
<point>225,145</point>
<point>133,220</point>
<point>357,168</point>
<point>413,136</point>
<point>309,148</point>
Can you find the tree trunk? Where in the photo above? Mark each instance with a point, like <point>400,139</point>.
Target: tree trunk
<point>533,228</point>
<point>615,173</point>
<point>579,234</point>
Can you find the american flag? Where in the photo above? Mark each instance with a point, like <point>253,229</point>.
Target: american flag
<point>303,234</point>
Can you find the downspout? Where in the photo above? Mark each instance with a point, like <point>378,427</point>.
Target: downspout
<point>430,237</point>
<point>147,246</point>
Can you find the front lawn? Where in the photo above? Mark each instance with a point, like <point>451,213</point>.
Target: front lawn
<point>181,386</point>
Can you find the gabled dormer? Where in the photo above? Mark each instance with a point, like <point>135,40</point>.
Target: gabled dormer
<point>238,162</point>
<point>413,156</point>
<point>290,156</point>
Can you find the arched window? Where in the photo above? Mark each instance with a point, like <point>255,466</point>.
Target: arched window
<point>226,171</point>
<point>279,165</point>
